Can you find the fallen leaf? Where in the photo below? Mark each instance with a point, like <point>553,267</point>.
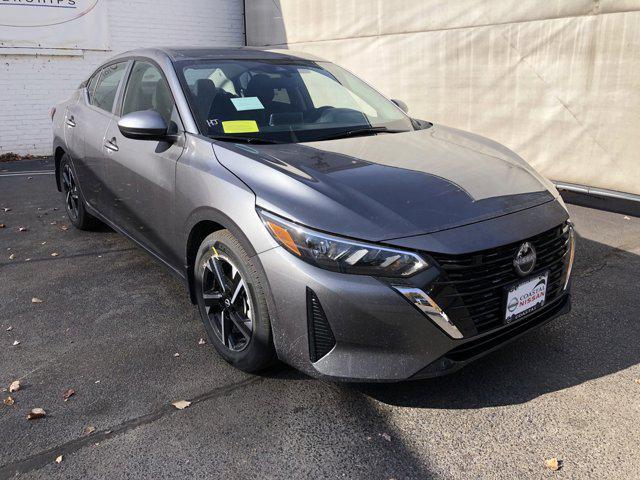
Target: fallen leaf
<point>9,401</point>
<point>553,464</point>
<point>638,381</point>
<point>55,254</point>
<point>64,227</point>
<point>59,459</point>
<point>36,300</point>
<point>386,436</point>
<point>181,404</point>
<point>36,413</point>
<point>16,343</point>
<point>23,229</point>
<point>68,394</point>
<point>89,430</point>
<point>14,387</point>
<point>12,256</point>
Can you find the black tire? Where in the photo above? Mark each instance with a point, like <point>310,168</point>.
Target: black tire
<point>74,202</point>
<point>219,255</point>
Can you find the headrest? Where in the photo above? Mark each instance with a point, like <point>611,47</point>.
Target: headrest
<point>261,86</point>
<point>205,86</point>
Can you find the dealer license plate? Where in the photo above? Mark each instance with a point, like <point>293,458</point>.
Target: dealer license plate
<point>525,297</point>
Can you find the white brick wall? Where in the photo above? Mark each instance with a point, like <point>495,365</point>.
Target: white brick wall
<point>30,85</point>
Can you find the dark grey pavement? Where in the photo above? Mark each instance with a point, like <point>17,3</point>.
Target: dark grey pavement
<point>112,319</point>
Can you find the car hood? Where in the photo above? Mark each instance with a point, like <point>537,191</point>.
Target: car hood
<point>388,186</point>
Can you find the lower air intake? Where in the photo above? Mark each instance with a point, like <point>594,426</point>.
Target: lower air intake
<point>321,339</point>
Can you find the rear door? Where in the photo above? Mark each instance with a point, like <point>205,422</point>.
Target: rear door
<point>74,113</point>
<point>141,173</point>
<point>91,118</point>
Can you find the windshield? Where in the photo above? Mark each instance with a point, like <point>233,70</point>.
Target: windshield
<point>284,101</point>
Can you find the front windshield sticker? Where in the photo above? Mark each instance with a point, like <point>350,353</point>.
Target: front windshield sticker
<point>247,103</point>
<point>240,126</point>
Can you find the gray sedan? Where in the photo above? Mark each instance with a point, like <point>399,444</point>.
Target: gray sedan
<point>312,220</point>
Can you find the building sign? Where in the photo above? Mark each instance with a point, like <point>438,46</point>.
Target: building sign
<point>75,24</point>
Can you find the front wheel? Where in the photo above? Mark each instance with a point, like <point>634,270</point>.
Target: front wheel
<point>74,203</point>
<point>232,304</point>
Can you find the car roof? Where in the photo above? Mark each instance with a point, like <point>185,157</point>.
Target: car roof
<point>219,53</point>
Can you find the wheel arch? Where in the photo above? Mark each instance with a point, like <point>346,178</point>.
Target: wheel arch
<point>202,223</point>
<point>57,155</point>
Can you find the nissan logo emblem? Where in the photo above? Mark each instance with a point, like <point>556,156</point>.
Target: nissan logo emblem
<point>525,260</point>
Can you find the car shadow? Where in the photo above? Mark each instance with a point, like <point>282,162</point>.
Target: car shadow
<point>598,338</point>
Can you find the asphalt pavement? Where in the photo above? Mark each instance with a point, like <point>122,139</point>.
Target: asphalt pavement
<point>118,329</point>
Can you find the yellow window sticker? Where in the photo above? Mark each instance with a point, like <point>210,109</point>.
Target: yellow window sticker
<point>240,126</point>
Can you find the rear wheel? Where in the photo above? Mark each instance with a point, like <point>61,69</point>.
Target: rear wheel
<point>74,203</point>
<point>232,304</point>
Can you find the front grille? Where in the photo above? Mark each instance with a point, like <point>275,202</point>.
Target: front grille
<point>321,339</point>
<point>473,348</point>
<point>472,289</point>
<point>476,347</point>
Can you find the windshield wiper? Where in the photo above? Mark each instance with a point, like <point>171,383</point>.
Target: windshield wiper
<point>361,131</point>
<point>254,140</point>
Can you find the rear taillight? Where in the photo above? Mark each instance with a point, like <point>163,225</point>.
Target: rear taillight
<point>52,113</point>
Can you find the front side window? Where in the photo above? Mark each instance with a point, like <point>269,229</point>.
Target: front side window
<point>284,101</point>
<point>104,93</point>
<point>147,89</point>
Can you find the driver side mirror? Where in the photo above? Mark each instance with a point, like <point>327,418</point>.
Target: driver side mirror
<point>401,105</point>
<point>144,125</point>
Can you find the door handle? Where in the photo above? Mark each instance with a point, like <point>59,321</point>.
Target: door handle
<point>111,145</point>
<point>71,122</point>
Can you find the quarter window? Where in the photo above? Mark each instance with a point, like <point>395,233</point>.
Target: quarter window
<point>91,86</point>
<point>104,93</point>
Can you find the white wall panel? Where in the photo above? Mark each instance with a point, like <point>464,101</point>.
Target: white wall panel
<point>556,81</point>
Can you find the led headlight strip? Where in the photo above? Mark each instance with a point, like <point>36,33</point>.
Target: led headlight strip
<point>339,254</point>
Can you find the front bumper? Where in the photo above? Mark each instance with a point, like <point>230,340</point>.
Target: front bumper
<point>379,336</point>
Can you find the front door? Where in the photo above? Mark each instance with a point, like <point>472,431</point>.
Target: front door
<point>141,173</point>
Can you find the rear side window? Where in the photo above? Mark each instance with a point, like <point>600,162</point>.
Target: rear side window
<point>148,90</point>
<point>106,87</point>
<point>91,85</point>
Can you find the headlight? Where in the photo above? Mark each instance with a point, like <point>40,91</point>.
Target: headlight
<point>339,254</point>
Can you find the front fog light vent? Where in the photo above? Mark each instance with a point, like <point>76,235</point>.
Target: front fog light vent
<point>321,339</point>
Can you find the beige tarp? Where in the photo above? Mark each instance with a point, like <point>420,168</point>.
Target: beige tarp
<point>557,81</point>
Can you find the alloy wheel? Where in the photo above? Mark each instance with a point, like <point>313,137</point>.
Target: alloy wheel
<point>71,190</point>
<point>227,302</point>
